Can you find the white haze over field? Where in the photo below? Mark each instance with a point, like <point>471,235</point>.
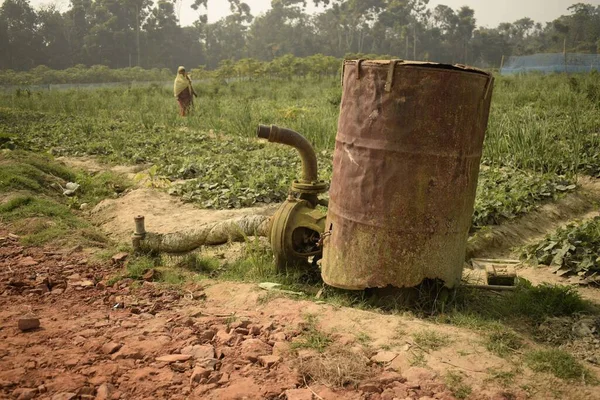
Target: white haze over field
<point>488,12</point>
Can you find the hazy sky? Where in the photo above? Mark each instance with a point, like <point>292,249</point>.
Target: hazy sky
<point>488,12</point>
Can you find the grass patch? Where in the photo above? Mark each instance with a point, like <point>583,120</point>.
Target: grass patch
<point>457,386</point>
<point>539,302</point>
<point>431,340</point>
<point>464,318</point>
<point>399,333</point>
<point>22,170</point>
<point>503,342</point>
<point>527,304</point>
<point>363,338</point>
<point>417,359</point>
<point>36,207</point>
<point>99,186</point>
<point>40,174</point>
<point>524,309</point>
<point>138,266</point>
<point>257,265</point>
<point>21,207</point>
<point>558,363</point>
<point>172,276</point>
<point>504,378</point>
<point>42,221</point>
<point>199,264</point>
<point>312,337</point>
<point>344,298</point>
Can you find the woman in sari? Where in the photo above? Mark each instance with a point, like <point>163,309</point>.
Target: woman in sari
<point>183,91</point>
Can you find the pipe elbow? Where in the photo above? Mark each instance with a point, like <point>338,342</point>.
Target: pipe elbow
<point>289,137</point>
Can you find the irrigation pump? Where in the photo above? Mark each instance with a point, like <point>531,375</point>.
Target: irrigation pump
<point>405,170</point>
<point>298,224</point>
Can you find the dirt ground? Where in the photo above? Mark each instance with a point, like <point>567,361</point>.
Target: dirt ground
<point>163,213</point>
<point>215,340</point>
<point>92,165</point>
<point>226,340</point>
<point>212,341</point>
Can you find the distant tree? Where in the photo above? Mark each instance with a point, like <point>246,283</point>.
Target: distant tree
<point>124,33</point>
<point>20,41</point>
<point>284,29</point>
<point>163,39</point>
<point>53,28</point>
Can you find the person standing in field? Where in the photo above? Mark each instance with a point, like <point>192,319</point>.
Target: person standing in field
<point>184,92</point>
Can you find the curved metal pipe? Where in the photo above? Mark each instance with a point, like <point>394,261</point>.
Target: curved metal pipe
<point>276,134</point>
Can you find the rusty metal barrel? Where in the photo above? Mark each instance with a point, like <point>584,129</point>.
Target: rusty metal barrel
<point>405,170</point>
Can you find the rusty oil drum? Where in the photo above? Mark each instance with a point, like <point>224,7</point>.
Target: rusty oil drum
<point>405,170</point>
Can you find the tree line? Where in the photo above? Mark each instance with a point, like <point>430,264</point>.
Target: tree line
<point>144,34</point>
<point>316,66</point>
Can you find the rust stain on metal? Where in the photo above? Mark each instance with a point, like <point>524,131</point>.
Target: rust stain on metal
<point>404,182</point>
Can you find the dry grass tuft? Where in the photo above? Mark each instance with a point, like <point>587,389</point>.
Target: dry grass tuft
<point>336,367</point>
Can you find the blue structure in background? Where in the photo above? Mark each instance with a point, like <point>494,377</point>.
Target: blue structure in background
<point>551,63</point>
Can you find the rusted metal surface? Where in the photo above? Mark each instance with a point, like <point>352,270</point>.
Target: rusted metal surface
<point>295,233</point>
<point>289,137</point>
<point>405,171</point>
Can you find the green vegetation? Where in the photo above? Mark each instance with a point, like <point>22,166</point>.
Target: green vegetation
<point>527,306</point>
<point>417,359</point>
<point>457,386</point>
<point>574,248</point>
<point>27,171</point>
<point>312,337</point>
<point>363,338</point>
<point>559,363</point>
<point>200,264</point>
<point>32,200</point>
<point>256,264</point>
<point>545,123</point>
<point>139,268</point>
<point>505,193</point>
<point>539,302</point>
<point>504,378</point>
<point>80,74</point>
<point>503,342</point>
<point>431,340</point>
<point>529,157</point>
<point>42,221</point>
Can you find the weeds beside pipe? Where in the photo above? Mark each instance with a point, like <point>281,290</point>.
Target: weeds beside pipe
<point>289,137</point>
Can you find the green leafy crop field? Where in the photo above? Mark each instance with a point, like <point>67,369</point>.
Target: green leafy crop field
<point>543,132</point>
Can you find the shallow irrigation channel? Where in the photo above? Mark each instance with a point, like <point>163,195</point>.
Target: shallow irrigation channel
<point>503,241</point>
